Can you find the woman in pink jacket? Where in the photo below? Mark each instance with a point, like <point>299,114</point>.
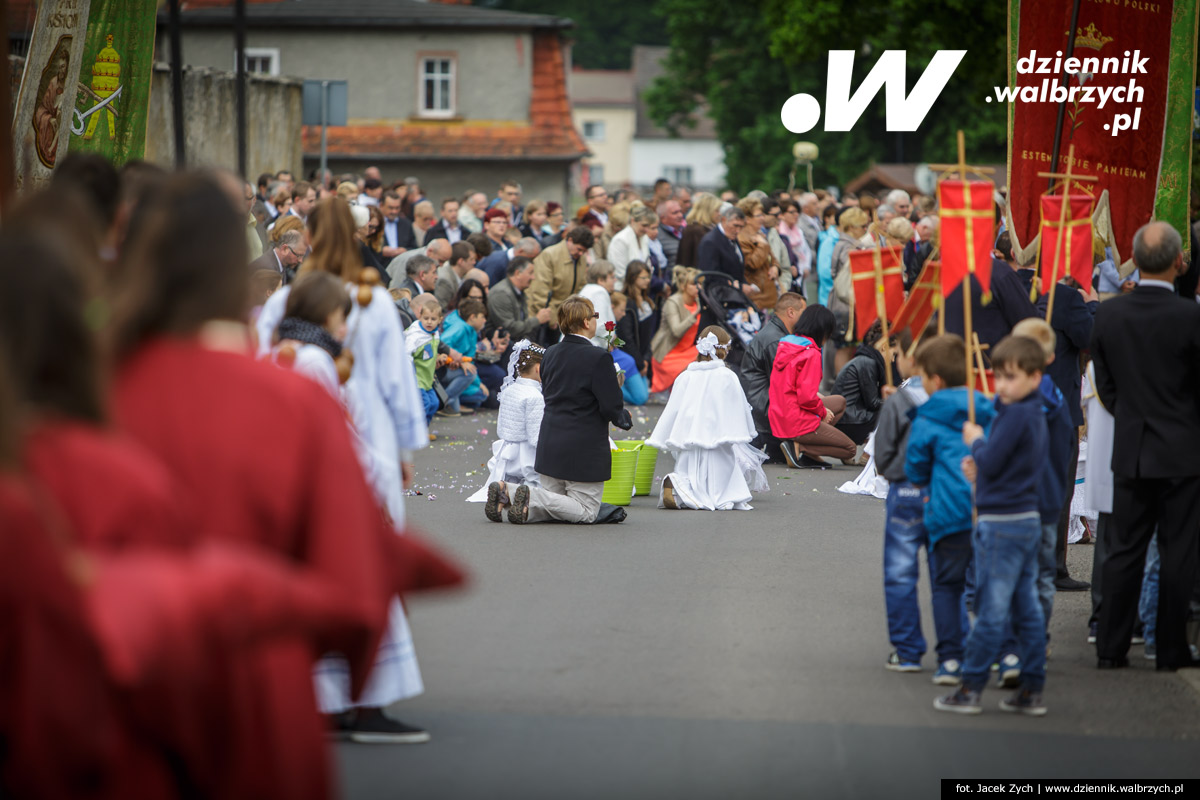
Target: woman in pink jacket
<point>800,417</point>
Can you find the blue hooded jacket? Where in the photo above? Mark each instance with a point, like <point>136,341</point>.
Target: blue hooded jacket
<point>934,458</point>
<point>1052,485</point>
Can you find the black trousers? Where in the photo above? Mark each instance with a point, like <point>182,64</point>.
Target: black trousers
<point>1099,556</point>
<point>1139,505</point>
<point>1064,514</point>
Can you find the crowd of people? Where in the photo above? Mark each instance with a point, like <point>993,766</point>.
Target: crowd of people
<point>205,466</point>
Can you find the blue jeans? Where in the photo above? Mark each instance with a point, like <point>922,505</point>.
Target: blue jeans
<point>1148,602</point>
<point>429,399</point>
<point>903,537</point>
<point>1047,571</point>
<point>1007,554</point>
<point>948,562</point>
<point>456,384</point>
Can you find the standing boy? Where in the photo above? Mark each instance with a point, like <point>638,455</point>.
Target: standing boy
<point>1008,534</point>
<point>904,524</point>
<point>934,460</point>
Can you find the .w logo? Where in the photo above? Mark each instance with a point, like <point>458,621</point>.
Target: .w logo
<point>802,112</point>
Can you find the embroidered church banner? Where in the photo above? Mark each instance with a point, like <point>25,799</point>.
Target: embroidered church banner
<point>1134,57</point>
<point>42,114</point>
<point>114,87</point>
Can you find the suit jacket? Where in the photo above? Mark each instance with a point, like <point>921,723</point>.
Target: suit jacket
<point>811,230</point>
<point>506,309</point>
<point>719,253</point>
<point>579,384</point>
<point>496,264</point>
<point>269,260</point>
<point>438,231</point>
<point>1010,304</point>
<point>1072,322</point>
<point>447,284</point>
<point>1146,345</point>
<point>670,241</point>
<point>405,236</point>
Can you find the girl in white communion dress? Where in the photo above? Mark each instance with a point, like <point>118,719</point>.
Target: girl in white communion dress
<point>518,423</point>
<point>708,428</point>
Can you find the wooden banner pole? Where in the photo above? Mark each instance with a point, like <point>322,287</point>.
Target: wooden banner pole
<point>881,309</point>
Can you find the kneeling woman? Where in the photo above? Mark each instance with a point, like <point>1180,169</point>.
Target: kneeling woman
<point>800,417</point>
<point>707,427</point>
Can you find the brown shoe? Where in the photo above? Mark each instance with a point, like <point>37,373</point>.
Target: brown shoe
<point>518,512</point>
<point>497,499</point>
<point>668,495</point>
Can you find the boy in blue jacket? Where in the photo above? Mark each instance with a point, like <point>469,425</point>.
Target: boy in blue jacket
<point>934,460</point>
<point>1008,463</point>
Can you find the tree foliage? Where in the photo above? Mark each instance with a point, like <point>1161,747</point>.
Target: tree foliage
<point>746,59</point>
<point>604,33</point>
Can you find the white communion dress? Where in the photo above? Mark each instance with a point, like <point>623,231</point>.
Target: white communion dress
<point>708,428</point>
<point>518,424</point>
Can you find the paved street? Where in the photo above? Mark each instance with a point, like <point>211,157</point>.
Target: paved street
<point>690,654</point>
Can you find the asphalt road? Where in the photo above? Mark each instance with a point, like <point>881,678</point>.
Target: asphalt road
<point>726,655</point>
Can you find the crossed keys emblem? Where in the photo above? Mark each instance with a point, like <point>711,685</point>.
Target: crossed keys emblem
<point>102,103</point>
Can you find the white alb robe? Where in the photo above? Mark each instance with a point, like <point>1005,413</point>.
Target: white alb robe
<point>518,425</point>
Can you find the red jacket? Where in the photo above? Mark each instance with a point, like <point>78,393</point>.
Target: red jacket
<point>794,408</point>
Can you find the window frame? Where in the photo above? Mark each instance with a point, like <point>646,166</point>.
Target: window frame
<point>424,112</point>
<point>671,173</point>
<point>269,53</point>
<point>592,179</point>
<point>603,130</point>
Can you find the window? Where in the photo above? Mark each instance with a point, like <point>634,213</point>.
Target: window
<point>678,176</point>
<point>261,60</point>
<point>595,174</point>
<point>437,87</point>
<point>593,130</point>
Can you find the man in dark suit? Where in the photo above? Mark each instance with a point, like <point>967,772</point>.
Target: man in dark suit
<point>719,250</point>
<point>284,257</point>
<point>398,234</point>
<point>1010,304</point>
<point>1146,345</point>
<point>447,227</point>
<point>579,383</point>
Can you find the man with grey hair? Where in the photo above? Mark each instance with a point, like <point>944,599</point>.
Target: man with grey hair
<point>470,213</point>
<point>1146,350</point>
<point>885,214</point>
<point>397,269</point>
<point>899,200</point>
<point>719,250</point>
<point>810,220</point>
<point>284,257</point>
<point>423,220</point>
<point>420,275</point>
<point>926,228</point>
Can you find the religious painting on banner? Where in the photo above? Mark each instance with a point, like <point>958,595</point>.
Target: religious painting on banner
<point>968,232</point>
<point>923,299</point>
<point>867,277</point>
<point>42,113</point>
<point>1066,247</point>
<point>114,90</point>
<point>1122,112</point>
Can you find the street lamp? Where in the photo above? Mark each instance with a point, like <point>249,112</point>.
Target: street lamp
<point>803,153</point>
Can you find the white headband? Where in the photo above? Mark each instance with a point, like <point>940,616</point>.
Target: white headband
<point>709,345</point>
<point>518,348</point>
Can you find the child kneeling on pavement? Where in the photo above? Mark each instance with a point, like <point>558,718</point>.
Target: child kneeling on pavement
<point>1007,466</point>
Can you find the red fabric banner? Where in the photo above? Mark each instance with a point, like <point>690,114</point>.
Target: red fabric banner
<point>968,226</point>
<point>1074,235</point>
<point>1126,163</point>
<point>922,301</point>
<point>867,281</point>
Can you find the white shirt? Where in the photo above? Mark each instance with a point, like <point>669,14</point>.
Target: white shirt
<point>627,246</point>
<point>453,235</point>
<point>1159,284</point>
<point>603,305</point>
<point>600,215</point>
<point>367,200</point>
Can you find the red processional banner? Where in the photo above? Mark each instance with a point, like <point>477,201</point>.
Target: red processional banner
<point>1115,105</point>
<point>968,229</point>
<point>923,299</point>
<point>1067,240</point>
<point>868,278</point>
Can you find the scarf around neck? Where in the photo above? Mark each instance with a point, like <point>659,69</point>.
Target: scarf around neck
<point>304,331</point>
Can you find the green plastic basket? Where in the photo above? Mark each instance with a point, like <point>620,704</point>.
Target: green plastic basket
<point>643,476</point>
<point>618,490</point>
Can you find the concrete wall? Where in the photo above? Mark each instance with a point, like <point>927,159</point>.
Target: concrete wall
<point>539,180</point>
<point>273,107</point>
<point>614,153</point>
<point>493,80</point>
<point>706,158</point>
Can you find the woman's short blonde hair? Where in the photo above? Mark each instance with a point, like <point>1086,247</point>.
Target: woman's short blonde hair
<point>852,218</point>
<point>347,191</point>
<point>681,277</point>
<point>574,313</point>
<point>534,206</point>
<point>289,223</point>
<point>704,209</point>
<point>749,206</point>
<point>900,229</point>
<point>643,214</point>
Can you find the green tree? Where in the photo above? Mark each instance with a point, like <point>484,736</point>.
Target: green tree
<point>745,61</point>
<point>604,32</point>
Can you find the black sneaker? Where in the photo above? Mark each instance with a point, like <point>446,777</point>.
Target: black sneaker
<point>372,726</point>
<point>1093,631</point>
<point>963,701</point>
<point>338,726</point>
<point>1025,702</point>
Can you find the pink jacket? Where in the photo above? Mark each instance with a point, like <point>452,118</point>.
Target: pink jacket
<point>794,409</point>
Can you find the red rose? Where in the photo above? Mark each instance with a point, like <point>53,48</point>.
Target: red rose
<point>610,326</point>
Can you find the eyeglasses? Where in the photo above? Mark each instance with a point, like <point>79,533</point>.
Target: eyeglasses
<point>596,315</point>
